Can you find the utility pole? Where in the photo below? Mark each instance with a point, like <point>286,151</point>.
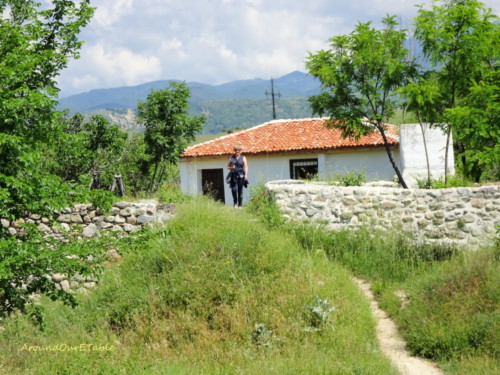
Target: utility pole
<point>273,95</point>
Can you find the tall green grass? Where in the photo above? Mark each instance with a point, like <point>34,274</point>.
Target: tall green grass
<point>451,309</point>
<point>380,257</point>
<point>186,299</point>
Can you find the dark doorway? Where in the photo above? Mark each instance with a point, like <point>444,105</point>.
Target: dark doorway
<point>212,182</point>
<point>303,168</point>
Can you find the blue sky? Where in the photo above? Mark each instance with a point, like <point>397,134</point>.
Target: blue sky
<point>130,42</point>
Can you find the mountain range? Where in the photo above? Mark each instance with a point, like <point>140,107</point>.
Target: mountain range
<point>236,104</point>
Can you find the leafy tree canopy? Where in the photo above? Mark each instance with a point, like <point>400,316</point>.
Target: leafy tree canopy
<point>36,43</point>
<point>360,75</point>
<point>461,40</point>
<point>169,128</point>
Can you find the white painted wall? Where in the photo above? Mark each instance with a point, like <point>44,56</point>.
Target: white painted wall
<point>413,159</point>
<point>375,163</point>
<point>265,168</point>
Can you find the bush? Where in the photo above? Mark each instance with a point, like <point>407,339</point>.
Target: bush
<point>24,266</point>
<point>348,178</point>
<point>438,183</point>
<point>262,204</point>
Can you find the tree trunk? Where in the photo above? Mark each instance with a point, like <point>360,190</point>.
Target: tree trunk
<point>160,178</point>
<point>426,152</point>
<point>448,134</point>
<point>391,159</point>
<point>151,184</point>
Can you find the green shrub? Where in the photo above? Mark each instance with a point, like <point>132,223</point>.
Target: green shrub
<point>319,314</point>
<point>438,183</point>
<point>348,178</point>
<point>262,204</point>
<point>24,266</point>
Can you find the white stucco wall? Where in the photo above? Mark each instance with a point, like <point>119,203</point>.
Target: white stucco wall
<point>265,168</point>
<point>413,160</point>
<point>375,163</point>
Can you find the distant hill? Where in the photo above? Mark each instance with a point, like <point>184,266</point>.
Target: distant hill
<point>234,104</point>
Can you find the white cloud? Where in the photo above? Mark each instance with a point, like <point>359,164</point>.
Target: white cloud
<point>109,12</point>
<point>213,41</point>
<point>108,67</point>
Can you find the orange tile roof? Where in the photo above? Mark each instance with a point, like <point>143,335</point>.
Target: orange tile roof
<point>287,135</point>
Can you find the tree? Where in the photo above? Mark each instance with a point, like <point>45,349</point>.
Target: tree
<point>88,146</point>
<point>460,38</point>
<point>476,120</point>
<point>360,75</point>
<point>36,43</point>
<point>134,166</point>
<point>169,128</point>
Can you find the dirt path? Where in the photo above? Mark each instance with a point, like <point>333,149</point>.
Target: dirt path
<point>391,343</point>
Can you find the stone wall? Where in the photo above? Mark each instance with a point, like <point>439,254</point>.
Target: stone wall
<point>85,221</point>
<point>123,217</point>
<point>465,216</point>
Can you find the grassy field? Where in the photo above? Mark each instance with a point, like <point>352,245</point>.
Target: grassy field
<point>213,292</point>
<point>223,291</point>
<point>446,302</point>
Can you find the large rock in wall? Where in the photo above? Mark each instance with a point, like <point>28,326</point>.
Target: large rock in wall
<point>465,216</point>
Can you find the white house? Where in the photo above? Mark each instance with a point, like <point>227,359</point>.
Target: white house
<point>292,149</point>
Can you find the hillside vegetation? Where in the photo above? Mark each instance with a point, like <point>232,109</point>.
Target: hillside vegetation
<point>213,292</point>
<point>445,300</point>
<point>221,114</point>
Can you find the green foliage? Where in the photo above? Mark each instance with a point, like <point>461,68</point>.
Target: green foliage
<point>169,128</point>
<point>261,203</point>
<point>134,165</point>
<point>24,266</point>
<point>171,193</point>
<point>439,183</point>
<point>453,311</point>
<point>349,178</point>
<point>461,40</point>
<point>37,42</point>
<point>320,313</point>
<point>263,336</point>
<point>360,75</point>
<point>477,127</point>
<point>423,97</point>
<point>86,147</point>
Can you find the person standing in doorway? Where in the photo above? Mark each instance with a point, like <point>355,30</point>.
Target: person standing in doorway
<point>239,174</point>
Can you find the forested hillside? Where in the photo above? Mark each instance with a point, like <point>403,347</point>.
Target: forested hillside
<point>221,114</point>
<point>240,103</point>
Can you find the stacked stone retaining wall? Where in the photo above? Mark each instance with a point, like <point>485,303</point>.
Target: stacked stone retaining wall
<point>464,216</point>
<point>85,221</point>
<point>123,217</point>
